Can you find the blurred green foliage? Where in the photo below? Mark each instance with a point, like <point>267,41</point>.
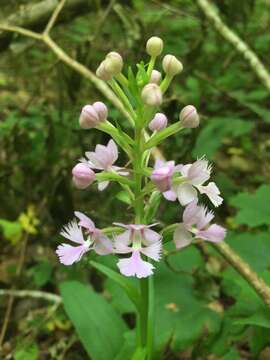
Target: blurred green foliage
<point>204,309</point>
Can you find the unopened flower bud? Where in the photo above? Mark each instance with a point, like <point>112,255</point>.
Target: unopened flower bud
<point>189,117</point>
<point>101,110</point>
<point>155,77</point>
<point>159,122</point>
<point>113,63</point>
<point>152,95</point>
<point>83,176</point>
<point>154,46</point>
<point>89,117</point>
<point>103,73</point>
<point>171,65</point>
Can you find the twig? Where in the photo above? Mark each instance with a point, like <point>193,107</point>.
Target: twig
<point>11,298</point>
<point>258,284</point>
<point>64,57</point>
<point>54,16</point>
<point>241,47</point>
<point>33,294</point>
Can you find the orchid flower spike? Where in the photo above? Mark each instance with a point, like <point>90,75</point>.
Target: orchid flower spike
<point>103,158</point>
<point>137,240</point>
<point>195,225</point>
<point>73,231</point>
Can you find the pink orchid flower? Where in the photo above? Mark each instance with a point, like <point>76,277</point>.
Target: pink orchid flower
<point>73,231</point>
<point>103,158</point>
<point>195,225</point>
<point>194,176</point>
<point>137,240</point>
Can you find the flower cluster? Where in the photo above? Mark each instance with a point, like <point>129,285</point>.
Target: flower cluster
<point>138,244</point>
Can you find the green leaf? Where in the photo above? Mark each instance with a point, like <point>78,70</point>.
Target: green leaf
<point>253,248</point>
<point>98,326</point>
<point>254,209</point>
<point>124,197</point>
<point>12,230</point>
<point>27,351</point>
<point>211,137</point>
<point>42,273</point>
<point>131,291</point>
<point>260,318</point>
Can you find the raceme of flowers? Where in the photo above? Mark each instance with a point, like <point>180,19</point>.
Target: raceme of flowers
<point>137,245</point>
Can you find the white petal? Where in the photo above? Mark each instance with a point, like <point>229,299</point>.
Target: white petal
<point>112,147</point>
<point>212,191</point>
<point>73,232</point>
<point>181,237</point>
<point>186,193</point>
<point>102,185</point>
<point>153,251</point>
<point>199,172</point>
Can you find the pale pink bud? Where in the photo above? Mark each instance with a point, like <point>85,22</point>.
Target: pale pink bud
<point>152,95</point>
<point>155,77</point>
<point>154,46</point>
<point>113,63</point>
<point>89,117</point>
<point>159,122</point>
<point>83,176</point>
<point>101,110</point>
<point>103,73</point>
<point>189,117</point>
<point>171,65</point>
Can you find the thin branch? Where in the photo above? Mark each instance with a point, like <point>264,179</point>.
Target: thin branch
<point>241,47</point>
<point>258,284</point>
<point>11,298</point>
<point>33,294</point>
<point>54,17</point>
<point>80,68</point>
<point>21,31</point>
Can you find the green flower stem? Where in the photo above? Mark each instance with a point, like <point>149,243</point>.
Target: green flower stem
<point>122,80</point>
<point>118,91</point>
<point>112,176</point>
<point>151,65</point>
<point>121,138</point>
<point>163,134</point>
<point>165,83</point>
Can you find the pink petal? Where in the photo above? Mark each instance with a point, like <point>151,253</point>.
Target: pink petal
<point>102,244</point>
<point>199,172</point>
<point>190,214</point>
<point>170,195</point>
<point>184,169</point>
<point>104,156</point>
<point>153,251</point>
<point>102,185</point>
<point>212,191</point>
<point>69,254</point>
<point>182,237</point>
<point>122,243</point>
<point>85,221</point>
<point>150,237</point>
<point>215,233</point>
<point>73,232</point>
<point>204,217</point>
<point>186,193</point>
<point>113,150</point>
<point>94,162</point>
<point>135,266</point>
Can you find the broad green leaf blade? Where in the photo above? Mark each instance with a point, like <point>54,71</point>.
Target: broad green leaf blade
<point>254,209</point>
<point>131,291</point>
<point>98,326</point>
